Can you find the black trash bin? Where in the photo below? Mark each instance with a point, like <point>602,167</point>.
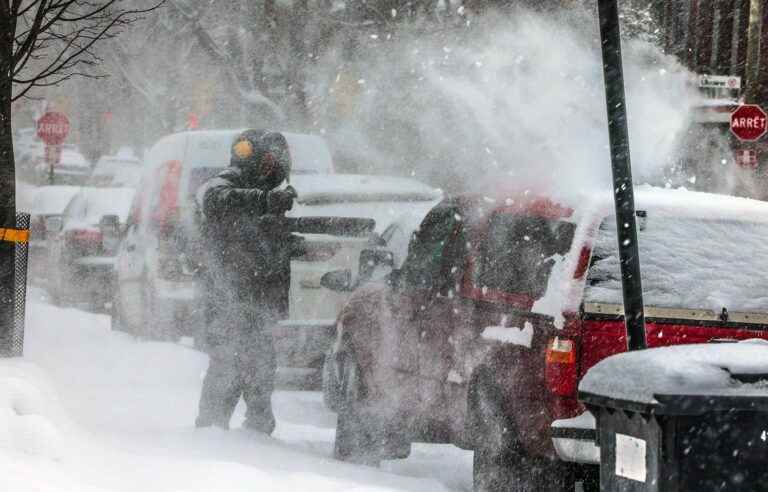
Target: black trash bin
<point>683,442</point>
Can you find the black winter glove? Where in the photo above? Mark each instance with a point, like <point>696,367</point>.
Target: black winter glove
<point>281,201</point>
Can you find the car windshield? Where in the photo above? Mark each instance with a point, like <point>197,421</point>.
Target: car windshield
<point>688,263</point>
<point>518,254</point>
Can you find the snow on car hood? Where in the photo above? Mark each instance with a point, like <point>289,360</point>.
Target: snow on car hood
<point>384,213</point>
<point>340,188</point>
<point>107,201</point>
<point>51,200</point>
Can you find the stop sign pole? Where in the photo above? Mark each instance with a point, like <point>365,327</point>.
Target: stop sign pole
<point>618,133</point>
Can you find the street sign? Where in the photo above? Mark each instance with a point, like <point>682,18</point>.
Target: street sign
<point>749,122</point>
<point>53,128</point>
<point>719,82</point>
<point>746,158</point>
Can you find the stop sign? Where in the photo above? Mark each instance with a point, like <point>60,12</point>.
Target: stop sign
<point>749,122</point>
<point>53,128</point>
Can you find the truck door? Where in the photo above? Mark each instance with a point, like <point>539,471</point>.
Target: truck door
<point>430,276</point>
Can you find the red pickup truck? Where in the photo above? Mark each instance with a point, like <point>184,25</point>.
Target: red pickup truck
<point>503,304</point>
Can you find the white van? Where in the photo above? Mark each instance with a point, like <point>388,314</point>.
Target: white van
<point>156,292</point>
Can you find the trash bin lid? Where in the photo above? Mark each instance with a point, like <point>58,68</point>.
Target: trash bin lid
<point>682,380</point>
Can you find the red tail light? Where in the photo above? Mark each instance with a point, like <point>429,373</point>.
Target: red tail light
<point>85,240</point>
<point>166,212</point>
<point>561,368</point>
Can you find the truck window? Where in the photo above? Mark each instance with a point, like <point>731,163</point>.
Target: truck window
<point>688,262</point>
<point>426,253</point>
<point>518,253</point>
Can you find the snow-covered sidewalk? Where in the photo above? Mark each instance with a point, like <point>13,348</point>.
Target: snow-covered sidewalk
<point>88,409</point>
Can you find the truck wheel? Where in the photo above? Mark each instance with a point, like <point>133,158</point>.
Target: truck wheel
<point>355,441</point>
<point>500,463</point>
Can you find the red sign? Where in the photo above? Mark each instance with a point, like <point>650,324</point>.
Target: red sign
<point>749,122</point>
<point>746,158</point>
<point>53,128</point>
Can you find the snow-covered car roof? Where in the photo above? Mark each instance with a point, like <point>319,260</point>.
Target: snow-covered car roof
<point>52,200</point>
<point>106,201</point>
<point>117,171</point>
<point>340,188</point>
<point>73,158</point>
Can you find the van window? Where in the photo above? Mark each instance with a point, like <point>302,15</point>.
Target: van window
<point>690,263</point>
<point>518,252</point>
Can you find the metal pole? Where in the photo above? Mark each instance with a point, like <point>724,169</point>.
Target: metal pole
<point>621,166</point>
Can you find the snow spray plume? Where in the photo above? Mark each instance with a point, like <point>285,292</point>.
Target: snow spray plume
<point>515,96</point>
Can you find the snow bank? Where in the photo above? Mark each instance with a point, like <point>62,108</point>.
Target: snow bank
<point>132,406</point>
<point>31,419</point>
<point>683,369</point>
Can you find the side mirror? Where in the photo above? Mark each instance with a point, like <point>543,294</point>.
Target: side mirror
<point>370,259</point>
<point>54,224</point>
<point>338,281</point>
<point>109,225</point>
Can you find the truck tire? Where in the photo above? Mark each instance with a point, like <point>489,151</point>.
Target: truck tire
<point>500,462</point>
<point>355,435</point>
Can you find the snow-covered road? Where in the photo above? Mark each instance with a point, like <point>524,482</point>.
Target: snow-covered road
<point>124,418</point>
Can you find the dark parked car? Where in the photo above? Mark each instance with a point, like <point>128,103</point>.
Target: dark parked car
<point>481,338</point>
<point>84,243</point>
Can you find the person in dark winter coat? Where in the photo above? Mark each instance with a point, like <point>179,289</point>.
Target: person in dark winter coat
<point>247,279</point>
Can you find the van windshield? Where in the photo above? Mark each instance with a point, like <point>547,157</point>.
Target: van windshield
<point>690,263</point>
<point>518,254</point>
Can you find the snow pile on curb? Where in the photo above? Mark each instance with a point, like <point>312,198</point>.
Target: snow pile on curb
<point>31,420</point>
<point>704,369</point>
<point>117,416</point>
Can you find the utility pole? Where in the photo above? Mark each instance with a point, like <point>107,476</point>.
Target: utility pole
<point>754,35</point>
<point>621,166</point>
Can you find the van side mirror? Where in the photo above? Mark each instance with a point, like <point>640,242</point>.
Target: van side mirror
<point>54,223</point>
<point>370,259</point>
<point>338,281</point>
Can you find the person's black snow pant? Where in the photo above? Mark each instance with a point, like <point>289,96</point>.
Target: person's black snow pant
<point>242,363</point>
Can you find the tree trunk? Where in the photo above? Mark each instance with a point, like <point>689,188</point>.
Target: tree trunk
<point>753,49</point>
<point>7,201</point>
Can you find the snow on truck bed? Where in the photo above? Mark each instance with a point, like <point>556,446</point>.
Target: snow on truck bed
<point>703,369</point>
